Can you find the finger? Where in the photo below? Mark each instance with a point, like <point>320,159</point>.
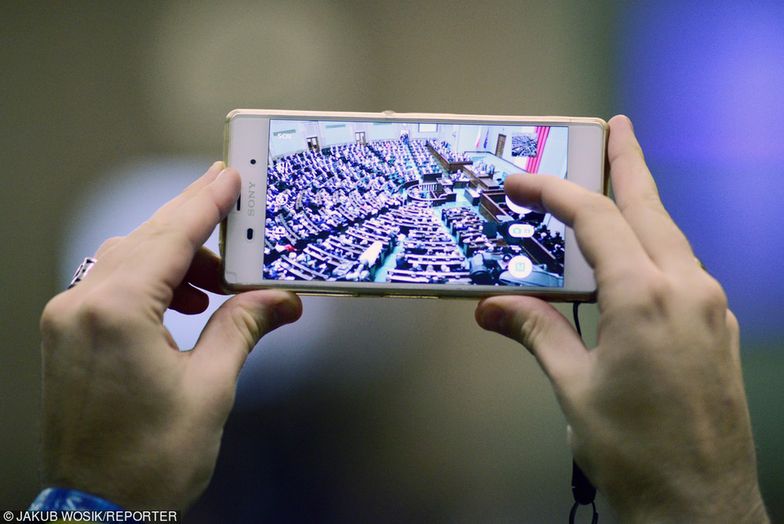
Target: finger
<point>608,243</point>
<point>92,275</point>
<point>212,172</point>
<point>541,329</point>
<point>638,199</point>
<point>195,219</point>
<point>205,271</point>
<point>189,300</point>
<point>160,252</point>
<point>237,326</point>
<point>107,246</point>
<point>116,252</point>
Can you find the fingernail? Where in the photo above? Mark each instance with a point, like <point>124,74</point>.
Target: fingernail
<point>493,318</point>
<point>217,164</point>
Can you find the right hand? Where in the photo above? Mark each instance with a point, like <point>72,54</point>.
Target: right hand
<point>657,410</point>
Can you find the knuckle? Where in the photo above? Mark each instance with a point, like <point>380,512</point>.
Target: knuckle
<point>169,234</point>
<point>250,327</point>
<point>732,323</point>
<point>595,203</point>
<point>107,245</point>
<point>153,228</point>
<point>711,295</point>
<point>213,205</point>
<point>602,203</point>
<point>708,297</point>
<point>645,296</point>
<point>649,201</point>
<point>635,154</point>
<point>656,291</point>
<point>532,329</point>
<point>102,311</point>
<point>155,232</point>
<point>56,316</point>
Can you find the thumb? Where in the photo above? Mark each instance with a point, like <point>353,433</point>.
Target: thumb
<point>542,329</point>
<point>237,326</point>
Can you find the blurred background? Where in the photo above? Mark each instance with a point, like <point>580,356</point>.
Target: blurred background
<point>383,410</point>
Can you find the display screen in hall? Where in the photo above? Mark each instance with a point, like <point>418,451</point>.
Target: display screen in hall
<point>410,203</point>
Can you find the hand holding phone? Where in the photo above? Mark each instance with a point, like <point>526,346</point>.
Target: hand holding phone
<point>409,204</point>
<point>657,411</point>
<point>127,416</point>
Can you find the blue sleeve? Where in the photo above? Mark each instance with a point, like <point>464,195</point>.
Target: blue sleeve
<point>70,500</point>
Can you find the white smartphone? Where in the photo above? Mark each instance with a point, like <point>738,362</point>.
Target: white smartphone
<point>404,204</point>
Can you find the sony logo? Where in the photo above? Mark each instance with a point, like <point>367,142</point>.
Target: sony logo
<point>251,205</point>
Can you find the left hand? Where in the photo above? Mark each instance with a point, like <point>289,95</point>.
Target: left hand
<point>127,416</point>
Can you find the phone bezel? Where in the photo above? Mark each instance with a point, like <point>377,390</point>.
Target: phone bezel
<point>246,136</point>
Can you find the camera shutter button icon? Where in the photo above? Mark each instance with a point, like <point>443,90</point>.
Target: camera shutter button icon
<point>520,266</point>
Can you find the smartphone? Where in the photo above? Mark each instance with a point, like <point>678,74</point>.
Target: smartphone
<point>404,204</point>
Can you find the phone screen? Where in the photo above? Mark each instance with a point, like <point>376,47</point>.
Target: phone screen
<point>409,203</point>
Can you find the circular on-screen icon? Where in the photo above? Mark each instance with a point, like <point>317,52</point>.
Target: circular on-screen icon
<point>520,266</point>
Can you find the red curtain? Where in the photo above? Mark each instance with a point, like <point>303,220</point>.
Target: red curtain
<point>541,139</point>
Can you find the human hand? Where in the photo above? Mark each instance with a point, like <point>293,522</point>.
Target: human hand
<point>126,415</point>
<point>657,411</point>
